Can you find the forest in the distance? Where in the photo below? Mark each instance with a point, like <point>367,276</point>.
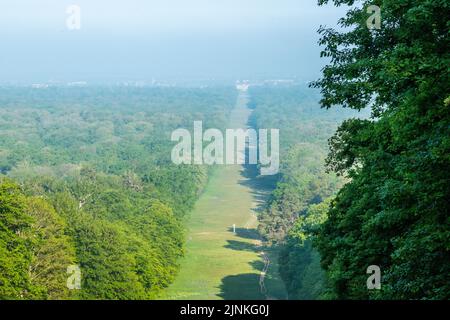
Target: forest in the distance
<point>86,177</point>
<point>88,181</point>
<point>393,210</point>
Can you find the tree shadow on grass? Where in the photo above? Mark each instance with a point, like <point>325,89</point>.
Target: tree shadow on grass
<point>241,246</point>
<point>241,287</point>
<point>254,180</point>
<point>244,233</point>
<point>257,265</point>
<point>260,186</point>
<point>247,286</point>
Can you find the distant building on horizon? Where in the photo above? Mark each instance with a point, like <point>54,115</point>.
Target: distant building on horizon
<point>77,84</point>
<point>242,85</point>
<point>39,86</point>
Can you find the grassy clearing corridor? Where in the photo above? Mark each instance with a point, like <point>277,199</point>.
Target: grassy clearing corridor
<point>221,264</point>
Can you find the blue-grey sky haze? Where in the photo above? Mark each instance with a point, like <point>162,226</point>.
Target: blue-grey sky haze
<point>122,40</point>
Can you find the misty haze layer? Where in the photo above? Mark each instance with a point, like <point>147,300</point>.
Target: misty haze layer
<point>164,39</point>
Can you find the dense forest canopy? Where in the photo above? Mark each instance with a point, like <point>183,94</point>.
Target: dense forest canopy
<point>392,183</point>
<point>95,187</point>
<point>303,189</point>
<point>86,179</point>
<point>394,213</point>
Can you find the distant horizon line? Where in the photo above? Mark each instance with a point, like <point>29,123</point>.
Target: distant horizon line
<point>162,82</point>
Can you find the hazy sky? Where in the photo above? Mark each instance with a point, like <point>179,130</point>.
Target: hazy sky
<point>124,40</point>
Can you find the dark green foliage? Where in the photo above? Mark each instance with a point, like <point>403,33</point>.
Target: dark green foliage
<point>101,191</point>
<point>395,211</point>
<point>297,204</point>
<point>303,182</point>
<point>52,250</point>
<point>34,249</point>
<point>301,269</point>
<point>15,252</point>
